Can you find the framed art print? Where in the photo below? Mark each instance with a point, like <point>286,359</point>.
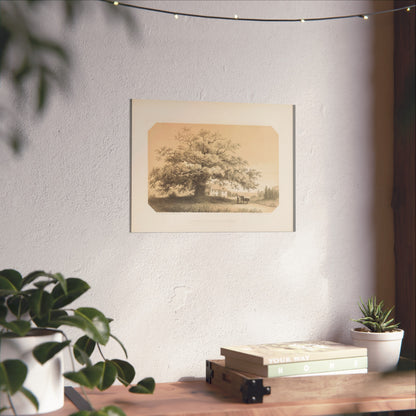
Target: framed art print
<point>212,167</point>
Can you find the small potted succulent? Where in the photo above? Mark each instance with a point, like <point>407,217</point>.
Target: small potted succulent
<point>34,310</point>
<point>380,335</point>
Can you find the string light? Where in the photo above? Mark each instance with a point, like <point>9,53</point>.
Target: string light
<point>249,19</point>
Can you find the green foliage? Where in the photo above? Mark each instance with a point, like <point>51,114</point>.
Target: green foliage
<point>105,411</point>
<point>39,301</point>
<point>31,59</point>
<point>375,318</point>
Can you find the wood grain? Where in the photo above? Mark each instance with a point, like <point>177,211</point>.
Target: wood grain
<point>294,396</point>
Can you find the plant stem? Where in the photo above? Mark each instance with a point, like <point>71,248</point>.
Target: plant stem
<point>73,369</point>
<point>11,404</point>
<point>101,353</point>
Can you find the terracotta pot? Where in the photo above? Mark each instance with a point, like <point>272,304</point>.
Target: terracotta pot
<point>44,381</point>
<point>383,348</point>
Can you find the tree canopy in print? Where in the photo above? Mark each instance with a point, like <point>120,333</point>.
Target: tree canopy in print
<point>212,168</point>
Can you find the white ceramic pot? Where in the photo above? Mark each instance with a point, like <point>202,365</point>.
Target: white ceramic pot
<point>44,381</point>
<point>383,348</point>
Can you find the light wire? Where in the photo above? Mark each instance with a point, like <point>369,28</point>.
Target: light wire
<point>250,19</point>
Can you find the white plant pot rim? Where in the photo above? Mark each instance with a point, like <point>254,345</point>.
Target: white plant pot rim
<point>377,336</point>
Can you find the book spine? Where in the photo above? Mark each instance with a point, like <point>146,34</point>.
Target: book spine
<point>313,367</point>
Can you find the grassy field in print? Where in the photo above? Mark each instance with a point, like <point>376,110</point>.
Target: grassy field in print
<point>209,204</point>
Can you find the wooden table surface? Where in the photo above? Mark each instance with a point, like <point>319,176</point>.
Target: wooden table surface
<point>198,398</point>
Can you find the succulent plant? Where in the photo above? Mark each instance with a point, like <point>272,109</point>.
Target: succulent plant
<point>375,318</point>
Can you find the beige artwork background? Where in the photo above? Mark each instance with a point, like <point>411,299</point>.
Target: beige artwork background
<point>259,145</point>
<point>231,119</point>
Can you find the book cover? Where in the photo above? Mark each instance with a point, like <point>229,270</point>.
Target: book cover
<point>298,368</point>
<point>267,354</point>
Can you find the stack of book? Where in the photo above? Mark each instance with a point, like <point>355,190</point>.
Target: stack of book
<point>296,359</point>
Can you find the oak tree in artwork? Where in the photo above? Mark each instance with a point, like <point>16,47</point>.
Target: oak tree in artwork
<point>201,158</point>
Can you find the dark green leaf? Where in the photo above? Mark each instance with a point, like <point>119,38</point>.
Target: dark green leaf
<point>44,283</point>
<point>110,411</point>
<point>105,411</point>
<point>56,315</point>
<point>6,287</point>
<point>18,327</point>
<point>43,88</point>
<point>3,312</point>
<point>44,352</point>
<point>13,276</point>
<point>12,375</point>
<point>75,288</point>
<point>83,413</point>
<point>20,73</point>
<point>18,305</point>
<point>40,304</point>
<point>31,277</point>
<point>98,328</point>
<point>108,374</point>
<point>145,386</point>
<point>88,377</point>
<point>30,396</point>
<point>125,371</point>
<point>83,349</point>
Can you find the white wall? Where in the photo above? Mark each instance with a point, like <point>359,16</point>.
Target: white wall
<point>177,298</point>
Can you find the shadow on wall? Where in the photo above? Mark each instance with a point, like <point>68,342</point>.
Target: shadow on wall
<point>382,143</point>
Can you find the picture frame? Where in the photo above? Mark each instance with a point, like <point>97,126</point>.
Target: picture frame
<point>212,167</point>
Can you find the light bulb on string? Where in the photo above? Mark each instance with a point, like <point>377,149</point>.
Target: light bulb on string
<point>249,19</point>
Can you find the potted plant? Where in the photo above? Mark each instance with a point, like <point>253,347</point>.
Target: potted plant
<point>380,335</point>
<point>34,310</point>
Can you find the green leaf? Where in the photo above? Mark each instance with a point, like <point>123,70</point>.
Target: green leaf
<point>105,411</point>
<point>30,396</point>
<point>55,316</point>
<point>125,371</point>
<point>7,287</point>
<point>3,312</point>
<point>45,351</point>
<point>12,375</point>
<point>98,328</point>
<point>91,321</point>
<point>108,374</point>
<point>88,376</point>
<point>18,305</point>
<point>83,349</point>
<point>83,413</point>
<point>31,277</point>
<point>13,276</point>
<point>18,327</point>
<point>75,288</point>
<point>145,386</point>
<point>54,277</point>
<point>43,89</point>
<point>40,304</point>
<point>110,411</point>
